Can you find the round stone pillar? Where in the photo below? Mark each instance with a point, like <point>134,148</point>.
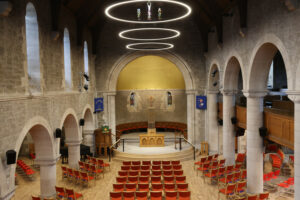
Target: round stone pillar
<point>89,139</point>
<point>47,177</point>
<point>191,106</point>
<point>112,114</point>
<point>228,127</point>
<point>73,153</point>
<point>213,132</point>
<point>254,141</point>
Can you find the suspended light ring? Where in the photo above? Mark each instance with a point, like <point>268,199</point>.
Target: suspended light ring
<point>167,46</point>
<point>109,8</point>
<point>175,35</point>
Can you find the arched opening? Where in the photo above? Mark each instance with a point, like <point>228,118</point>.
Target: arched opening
<point>88,130</point>
<point>36,162</point>
<point>67,61</point>
<point>33,49</point>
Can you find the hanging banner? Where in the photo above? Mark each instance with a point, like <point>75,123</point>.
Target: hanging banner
<point>99,107</point>
<point>201,102</point>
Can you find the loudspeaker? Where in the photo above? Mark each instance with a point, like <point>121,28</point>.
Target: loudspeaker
<point>233,120</point>
<point>240,132</point>
<point>263,131</point>
<point>220,121</point>
<point>11,156</point>
<point>81,122</point>
<point>58,133</point>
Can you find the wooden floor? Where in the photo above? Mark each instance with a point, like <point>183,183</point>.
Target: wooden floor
<point>100,191</point>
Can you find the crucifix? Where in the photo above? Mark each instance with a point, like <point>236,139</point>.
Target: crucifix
<point>149,10</point>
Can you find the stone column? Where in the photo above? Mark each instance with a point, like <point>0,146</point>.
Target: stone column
<point>89,139</point>
<point>254,141</point>
<point>47,177</point>
<point>191,115</point>
<point>74,153</point>
<point>112,114</point>
<point>295,96</point>
<point>213,133</point>
<point>228,127</point>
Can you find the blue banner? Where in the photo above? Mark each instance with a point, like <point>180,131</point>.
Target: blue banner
<point>201,102</point>
<point>99,106</point>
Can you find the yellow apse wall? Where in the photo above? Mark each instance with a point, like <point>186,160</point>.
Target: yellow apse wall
<point>150,72</point>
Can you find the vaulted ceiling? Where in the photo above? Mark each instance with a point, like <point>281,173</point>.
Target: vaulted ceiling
<point>207,14</point>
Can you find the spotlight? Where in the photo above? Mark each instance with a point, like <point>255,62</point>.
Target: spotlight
<point>213,74</point>
<point>233,120</point>
<point>81,122</point>
<point>263,132</point>
<point>87,78</point>
<point>86,87</point>
<point>11,157</point>
<point>57,133</point>
<point>215,84</point>
<point>220,121</point>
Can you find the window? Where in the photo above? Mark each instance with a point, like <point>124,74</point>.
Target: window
<point>86,58</point>
<point>270,77</point>
<point>33,49</point>
<point>169,96</point>
<point>67,60</point>
<point>132,99</point>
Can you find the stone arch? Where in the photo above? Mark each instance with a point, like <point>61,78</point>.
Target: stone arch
<point>231,74</point>
<point>261,59</point>
<point>213,79</point>
<point>88,117</point>
<point>70,123</point>
<point>124,60</point>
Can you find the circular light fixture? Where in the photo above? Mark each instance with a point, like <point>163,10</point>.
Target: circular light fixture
<point>175,35</point>
<point>133,46</point>
<point>109,8</point>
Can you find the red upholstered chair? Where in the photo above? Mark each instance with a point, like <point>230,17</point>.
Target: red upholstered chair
<point>73,195</point>
<point>96,171</point>
<point>215,157</point>
<point>228,191</point>
<point>115,195</point>
<point>167,167</point>
<point>77,176</point>
<point>240,158</point>
<point>136,162</point>
<point>143,187</point>
<point>155,179</point>
<point>221,172</point>
<point>175,162</point>
<point>204,168</point>
<point>145,167</point>
<point>244,174</point>
<point>121,179</point>
<point>36,198</point>
<point>128,195</point>
<point>123,173</point>
<point>237,176</point>
<point>127,163</point>
<point>201,162</point>
<point>102,164</point>
<point>156,162</point>
<point>182,186</point>
<point>171,195</point>
<point>214,164</point>
<point>155,195</point>
<point>155,167</point>
<point>60,192</point>
<point>130,187</point>
<point>229,169</point>
<point>170,187</point>
<point>118,187</point>
<point>241,188</point>
<point>156,172</point>
<point>85,178</point>
<point>222,163</point>
<point>177,167</point>
<point>144,179</point>
<point>135,167</point>
<point>166,162</point>
<point>276,174</point>
<point>263,196</point>
<point>157,187</point>
<point>237,167</point>
<point>209,158</point>
<point>141,195</point>
<point>180,179</point>
<point>145,173</point>
<point>184,195</point>
<point>178,172</point>
<point>252,197</point>
<point>125,168</point>
<point>133,173</point>
<point>169,179</point>
<point>167,172</point>
<point>211,175</point>
<point>81,165</point>
<point>146,162</point>
<point>225,180</point>
<point>64,172</point>
<point>132,179</point>
<point>70,174</point>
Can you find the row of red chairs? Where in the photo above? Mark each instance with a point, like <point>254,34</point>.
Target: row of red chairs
<point>65,193</point>
<point>271,175</point>
<point>117,187</point>
<point>261,196</point>
<point>153,173</point>
<point>25,168</point>
<point>287,183</point>
<point>77,176</point>
<point>98,162</point>
<point>154,162</point>
<point>148,167</point>
<point>152,179</point>
<point>154,195</point>
<point>92,169</point>
<point>206,166</point>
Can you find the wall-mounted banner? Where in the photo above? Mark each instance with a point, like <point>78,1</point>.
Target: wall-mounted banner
<point>201,102</point>
<point>99,106</point>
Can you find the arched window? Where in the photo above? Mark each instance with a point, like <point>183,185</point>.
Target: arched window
<point>169,96</point>
<point>67,60</point>
<point>33,49</point>
<point>132,99</point>
<point>86,58</point>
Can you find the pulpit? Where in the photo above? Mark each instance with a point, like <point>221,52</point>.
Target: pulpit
<point>102,140</point>
<point>152,139</point>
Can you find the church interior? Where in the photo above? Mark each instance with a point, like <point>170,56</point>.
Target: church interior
<point>149,99</point>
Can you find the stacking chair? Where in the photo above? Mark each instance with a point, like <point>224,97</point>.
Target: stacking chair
<point>166,162</point>
<point>204,168</point>
<point>128,195</point>
<point>201,162</point>
<point>133,173</point>
<point>228,191</point>
<point>157,187</point>
<point>221,172</point>
<point>155,167</point>
<point>145,173</point>
<point>64,172</point>
<point>263,196</point>
<point>222,163</point>
<point>240,158</point>
<point>215,157</point>
<point>229,169</point>
<point>237,176</point>
<point>155,162</point>
<point>177,167</point>
<point>127,163</point>
<point>73,195</point>
<point>178,172</point>
<point>145,167</point>
<point>81,165</point>
<point>212,175</point>
<point>180,179</point>
<point>182,186</point>
<point>209,158</point>
<point>156,195</point>
<point>171,195</point>
<point>252,197</point>
<point>237,167</point>
<point>130,187</point>
<point>125,168</point>
<point>146,162</point>
<point>136,162</point>
<point>169,179</point>
<point>156,173</point>
<point>276,174</point>
<point>76,175</point>
<point>60,192</point>
<point>241,188</point>
<point>244,174</point>
<point>155,179</point>
<point>85,178</point>
<point>143,179</point>
<point>175,162</point>
<point>70,174</point>
<point>117,187</point>
<point>102,164</point>
<point>184,195</point>
<point>141,195</point>
<point>36,198</point>
<point>170,187</point>
<point>225,180</point>
<point>167,172</point>
<point>214,164</point>
<point>132,179</point>
<point>115,195</point>
<point>121,179</point>
<point>123,173</point>
<point>135,167</point>
<point>96,171</point>
<point>143,187</point>
<point>167,167</point>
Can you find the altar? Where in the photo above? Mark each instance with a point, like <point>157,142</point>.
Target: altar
<point>152,139</point>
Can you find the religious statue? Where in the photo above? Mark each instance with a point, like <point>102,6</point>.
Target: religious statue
<point>149,10</point>
<point>132,99</point>
<point>159,13</point>
<point>139,14</point>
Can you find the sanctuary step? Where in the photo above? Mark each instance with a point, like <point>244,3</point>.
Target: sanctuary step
<point>184,155</point>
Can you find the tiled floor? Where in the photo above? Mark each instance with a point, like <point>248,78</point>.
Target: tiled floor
<point>100,190</point>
